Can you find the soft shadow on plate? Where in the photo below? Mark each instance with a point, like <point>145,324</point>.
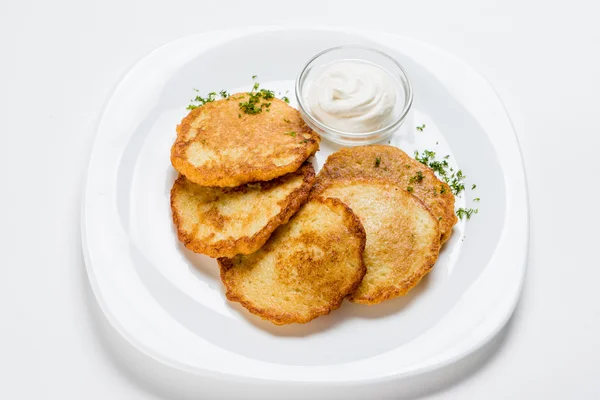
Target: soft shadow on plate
<point>323,323</point>
<point>318,325</point>
<point>200,265</point>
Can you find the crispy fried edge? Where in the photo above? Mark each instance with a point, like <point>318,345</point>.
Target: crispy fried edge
<point>246,244</point>
<point>202,175</point>
<point>393,291</point>
<point>449,218</point>
<point>355,228</point>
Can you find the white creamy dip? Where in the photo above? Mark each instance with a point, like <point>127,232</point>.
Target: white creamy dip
<point>353,96</point>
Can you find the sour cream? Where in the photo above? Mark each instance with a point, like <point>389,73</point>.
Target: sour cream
<point>353,96</point>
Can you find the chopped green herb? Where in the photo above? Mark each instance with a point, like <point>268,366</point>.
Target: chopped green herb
<point>239,115</point>
<point>267,94</point>
<point>442,189</point>
<point>224,94</point>
<point>202,100</point>
<point>439,218</point>
<point>466,212</point>
<point>473,187</point>
<point>409,189</point>
<point>426,157</point>
<point>254,76</point>
<point>303,142</point>
<point>285,98</point>
<point>286,120</point>
<point>420,128</point>
<point>292,133</point>
<point>253,105</point>
<point>377,161</point>
<point>417,178</point>
<point>476,199</point>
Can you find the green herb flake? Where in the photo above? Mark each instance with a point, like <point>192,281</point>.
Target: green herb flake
<point>292,133</point>
<point>417,178</point>
<point>409,189</point>
<point>420,128</point>
<point>202,100</point>
<point>267,94</point>
<point>476,199</point>
<point>466,212</point>
<point>377,162</point>
<point>285,98</point>
<point>286,120</point>
<point>473,187</point>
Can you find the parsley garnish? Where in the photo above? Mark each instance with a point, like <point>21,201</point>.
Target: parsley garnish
<point>202,100</point>
<point>454,179</point>
<point>409,189</point>
<point>466,212</point>
<point>420,128</point>
<point>292,133</point>
<point>417,178</point>
<point>267,94</point>
<point>377,162</point>
<point>253,105</point>
<point>286,120</point>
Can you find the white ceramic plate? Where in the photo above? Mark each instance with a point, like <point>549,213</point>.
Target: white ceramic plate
<point>167,305</point>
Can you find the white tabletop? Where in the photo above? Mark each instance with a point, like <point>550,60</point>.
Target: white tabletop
<point>59,61</point>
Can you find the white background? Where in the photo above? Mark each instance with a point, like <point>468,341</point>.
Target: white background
<point>59,61</point>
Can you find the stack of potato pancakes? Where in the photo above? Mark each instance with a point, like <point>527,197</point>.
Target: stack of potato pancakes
<point>292,246</point>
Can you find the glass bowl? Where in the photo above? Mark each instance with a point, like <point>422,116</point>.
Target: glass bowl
<point>354,53</point>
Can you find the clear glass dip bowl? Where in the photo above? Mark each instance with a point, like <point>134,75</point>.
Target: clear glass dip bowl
<point>354,53</point>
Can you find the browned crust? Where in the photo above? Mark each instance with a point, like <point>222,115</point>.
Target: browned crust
<point>359,162</point>
<point>227,128</point>
<point>354,227</point>
<point>248,244</point>
<point>392,291</point>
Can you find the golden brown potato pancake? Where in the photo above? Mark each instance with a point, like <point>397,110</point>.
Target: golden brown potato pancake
<point>220,145</point>
<point>305,269</point>
<point>223,222</point>
<point>403,237</point>
<point>390,164</point>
